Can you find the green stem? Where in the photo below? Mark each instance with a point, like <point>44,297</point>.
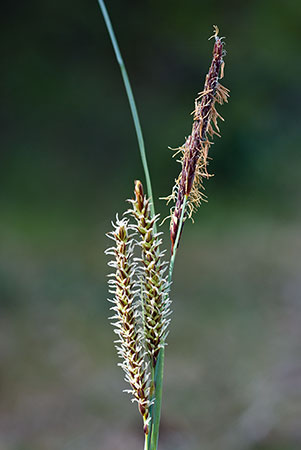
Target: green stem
<point>150,411</point>
<point>132,103</point>
<point>173,256</point>
<point>146,442</point>
<point>156,412</point>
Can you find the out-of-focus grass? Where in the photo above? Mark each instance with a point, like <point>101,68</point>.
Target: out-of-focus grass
<point>232,367</point>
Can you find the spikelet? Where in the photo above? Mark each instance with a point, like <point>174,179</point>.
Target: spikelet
<point>155,300</point>
<point>194,152</point>
<point>130,346</point>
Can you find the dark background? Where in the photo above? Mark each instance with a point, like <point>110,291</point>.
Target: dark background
<point>68,160</point>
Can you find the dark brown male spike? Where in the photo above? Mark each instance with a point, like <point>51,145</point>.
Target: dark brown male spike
<point>195,150</point>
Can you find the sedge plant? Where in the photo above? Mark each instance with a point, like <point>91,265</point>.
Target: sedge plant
<point>142,274</point>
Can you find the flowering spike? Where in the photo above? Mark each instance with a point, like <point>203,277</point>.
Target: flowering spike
<point>195,150</point>
<point>155,301</point>
<point>130,344</point>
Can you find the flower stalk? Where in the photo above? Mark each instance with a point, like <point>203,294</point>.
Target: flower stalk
<point>158,380</point>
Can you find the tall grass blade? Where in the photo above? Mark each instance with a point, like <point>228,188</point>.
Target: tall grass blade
<point>132,103</point>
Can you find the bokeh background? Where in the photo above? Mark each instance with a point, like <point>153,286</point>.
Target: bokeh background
<point>68,160</point>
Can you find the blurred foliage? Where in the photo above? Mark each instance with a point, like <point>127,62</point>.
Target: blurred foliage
<point>68,160</point>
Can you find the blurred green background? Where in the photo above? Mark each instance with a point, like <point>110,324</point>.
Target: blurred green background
<point>68,160</point>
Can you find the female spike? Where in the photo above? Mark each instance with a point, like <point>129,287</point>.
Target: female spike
<point>126,318</point>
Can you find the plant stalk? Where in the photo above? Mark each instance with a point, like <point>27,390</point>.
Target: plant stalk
<point>158,381</point>
<point>147,441</point>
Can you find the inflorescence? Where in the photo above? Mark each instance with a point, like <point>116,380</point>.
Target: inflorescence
<point>139,283</point>
<point>141,304</point>
<point>194,152</point>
